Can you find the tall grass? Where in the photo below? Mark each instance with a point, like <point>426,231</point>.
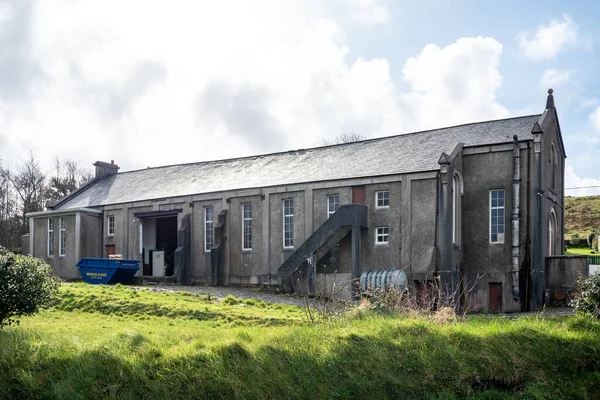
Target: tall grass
<point>102,342</point>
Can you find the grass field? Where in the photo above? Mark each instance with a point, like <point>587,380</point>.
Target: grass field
<point>578,251</point>
<point>115,342</point>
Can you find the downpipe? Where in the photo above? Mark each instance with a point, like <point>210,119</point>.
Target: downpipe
<point>515,218</point>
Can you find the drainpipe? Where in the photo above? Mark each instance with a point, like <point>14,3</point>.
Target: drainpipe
<point>515,217</point>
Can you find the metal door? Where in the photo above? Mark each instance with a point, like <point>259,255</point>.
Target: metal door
<point>495,297</point>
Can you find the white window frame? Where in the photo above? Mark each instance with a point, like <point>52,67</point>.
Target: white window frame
<point>50,241</point>
<point>62,238</point>
<point>383,199</point>
<point>499,240</point>
<point>209,228</point>
<point>246,225</point>
<point>332,200</point>
<point>288,223</point>
<point>382,235</point>
<point>110,225</point>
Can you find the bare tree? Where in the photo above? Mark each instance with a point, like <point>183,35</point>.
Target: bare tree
<point>10,221</point>
<point>68,175</point>
<point>29,182</point>
<point>26,188</point>
<point>341,138</point>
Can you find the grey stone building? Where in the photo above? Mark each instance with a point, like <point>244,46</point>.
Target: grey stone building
<point>475,208</point>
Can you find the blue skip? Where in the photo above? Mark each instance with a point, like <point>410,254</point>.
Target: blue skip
<point>107,271</point>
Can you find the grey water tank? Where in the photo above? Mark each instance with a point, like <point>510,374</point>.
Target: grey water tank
<point>383,279</point>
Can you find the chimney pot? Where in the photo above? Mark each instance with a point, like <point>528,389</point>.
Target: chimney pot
<point>103,168</point>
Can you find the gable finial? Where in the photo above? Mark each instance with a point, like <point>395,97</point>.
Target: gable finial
<point>550,100</point>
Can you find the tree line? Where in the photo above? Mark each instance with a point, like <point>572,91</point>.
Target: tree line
<point>27,187</point>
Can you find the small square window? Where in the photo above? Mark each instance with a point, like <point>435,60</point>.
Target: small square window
<point>382,235</point>
<point>382,199</point>
<point>333,203</point>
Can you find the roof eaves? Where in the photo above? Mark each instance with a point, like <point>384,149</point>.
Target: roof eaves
<point>75,192</point>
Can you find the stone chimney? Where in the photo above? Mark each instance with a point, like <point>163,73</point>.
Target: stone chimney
<point>104,169</point>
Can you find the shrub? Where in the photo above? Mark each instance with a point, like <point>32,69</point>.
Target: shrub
<point>590,239</point>
<point>574,240</point>
<point>26,285</point>
<point>587,300</point>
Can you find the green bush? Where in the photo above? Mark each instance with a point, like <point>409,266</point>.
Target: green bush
<point>590,239</point>
<point>26,285</point>
<point>587,300</point>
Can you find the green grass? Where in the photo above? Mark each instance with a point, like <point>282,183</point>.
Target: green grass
<point>578,251</point>
<point>115,342</point>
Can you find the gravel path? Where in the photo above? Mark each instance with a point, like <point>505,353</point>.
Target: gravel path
<point>298,300</point>
<point>240,292</point>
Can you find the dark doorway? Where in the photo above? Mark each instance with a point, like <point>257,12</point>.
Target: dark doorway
<point>109,250</point>
<point>358,195</point>
<point>166,240</point>
<point>495,297</point>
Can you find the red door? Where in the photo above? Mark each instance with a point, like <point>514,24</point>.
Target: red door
<point>358,195</point>
<point>495,297</point>
<point>109,249</point>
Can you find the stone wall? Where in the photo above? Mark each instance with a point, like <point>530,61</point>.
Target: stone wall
<point>562,273</point>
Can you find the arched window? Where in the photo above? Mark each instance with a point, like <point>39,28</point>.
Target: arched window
<point>552,250</point>
<point>456,207</point>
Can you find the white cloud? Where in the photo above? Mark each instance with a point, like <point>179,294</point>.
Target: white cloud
<point>594,118</point>
<point>369,12</point>
<point>572,180</point>
<point>554,78</point>
<point>456,83</point>
<point>213,84</point>
<point>548,40</point>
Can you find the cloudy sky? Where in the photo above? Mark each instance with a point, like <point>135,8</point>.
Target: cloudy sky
<point>150,83</point>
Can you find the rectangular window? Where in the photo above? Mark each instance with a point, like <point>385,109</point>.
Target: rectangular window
<point>382,199</point>
<point>50,237</point>
<point>333,203</point>
<point>247,226</point>
<point>110,222</point>
<point>61,242</point>
<point>288,223</point>
<point>209,233</point>
<point>496,216</point>
<point>382,235</point>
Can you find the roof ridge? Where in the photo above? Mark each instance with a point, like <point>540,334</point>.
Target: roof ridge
<point>225,160</point>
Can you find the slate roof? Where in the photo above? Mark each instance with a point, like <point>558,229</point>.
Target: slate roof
<point>413,152</point>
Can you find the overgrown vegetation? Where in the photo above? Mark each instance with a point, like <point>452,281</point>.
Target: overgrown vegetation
<point>582,217</point>
<point>587,301</point>
<point>26,285</point>
<point>117,342</point>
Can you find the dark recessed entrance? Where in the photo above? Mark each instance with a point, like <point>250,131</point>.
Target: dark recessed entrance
<point>159,241</point>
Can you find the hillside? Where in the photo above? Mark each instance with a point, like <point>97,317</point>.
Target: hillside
<point>582,214</point>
